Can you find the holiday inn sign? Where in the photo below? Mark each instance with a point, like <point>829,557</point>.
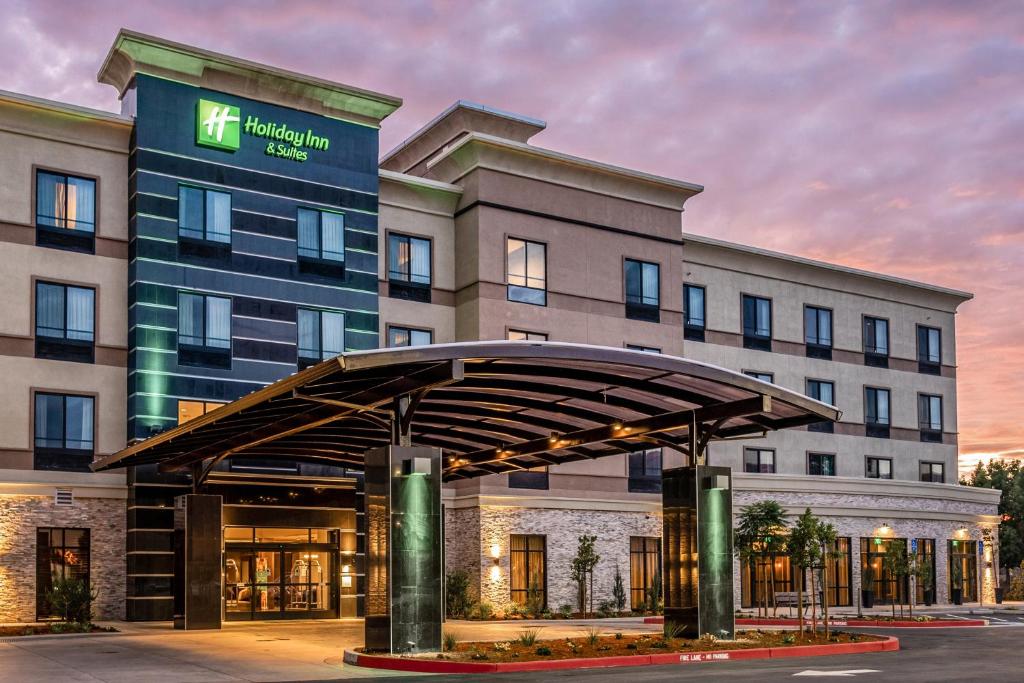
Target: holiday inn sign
<point>220,126</point>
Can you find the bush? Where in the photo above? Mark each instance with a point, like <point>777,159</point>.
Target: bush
<point>660,644</point>
<point>457,603</point>
<point>592,635</point>
<point>449,641</point>
<point>482,610</point>
<point>543,651</point>
<point>674,630</point>
<point>528,636</point>
<point>605,609</point>
<point>619,591</point>
<point>534,600</point>
<point>565,611</point>
<point>71,599</point>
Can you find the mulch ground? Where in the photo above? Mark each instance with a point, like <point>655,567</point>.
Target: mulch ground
<point>612,646</point>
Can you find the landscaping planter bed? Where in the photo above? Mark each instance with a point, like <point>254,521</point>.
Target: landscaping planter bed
<point>632,650</point>
<point>49,630</point>
<point>885,622</point>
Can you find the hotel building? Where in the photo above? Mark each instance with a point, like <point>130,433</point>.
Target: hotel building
<point>236,222</point>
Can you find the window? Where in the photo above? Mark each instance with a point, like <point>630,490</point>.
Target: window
<point>65,212</point>
<point>821,464</point>
<point>523,335</point>
<point>757,323</point>
<point>528,559</point>
<point>963,569</point>
<point>641,347</point>
<point>322,237</point>
<point>408,336</point>
<point>934,472</point>
<point>533,478</point>
<point>204,330</point>
<point>527,272</point>
<point>204,214</point>
<point>823,391</point>
<point>60,554</point>
<point>929,350</point>
<point>190,410</point>
<point>409,268</point>
<point>321,336</point>
<point>763,376</point>
<point>644,565</point>
<point>878,468</point>
<point>643,287</point>
<point>876,342</point>
<point>645,471</point>
<point>887,588</point>
<point>694,321</point>
<point>760,460</point>
<point>929,417</point>
<point>63,432</point>
<point>818,332</point>
<point>65,322</point>
<point>876,412</point>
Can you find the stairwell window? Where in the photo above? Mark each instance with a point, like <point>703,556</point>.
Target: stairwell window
<point>643,287</point>
<point>526,263</point>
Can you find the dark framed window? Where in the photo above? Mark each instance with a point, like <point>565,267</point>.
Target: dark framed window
<point>204,330</point>
<point>878,468</point>
<point>876,412</point>
<point>694,312</point>
<point>876,342</point>
<point>962,571</point>
<point>321,335</point>
<point>63,432</point>
<point>408,336</point>
<point>761,460</point>
<point>929,350</point>
<point>757,323</point>
<point>409,267</point>
<point>641,347</point>
<point>824,391</point>
<point>645,471</point>
<point>65,322</point>
<point>527,271</point>
<point>925,552</point>
<point>533,478</point>
<point>204,214</point>
<point>643,290</point>
<point>61,553</point>
<point>525,335</point>
<point>321,242</point>
<point>818,332</point>
<point>821,464</point>
<point>65,212</point>
<point>887,587</point>
<point>528,571</point>
<point>644,565</point>
<point>929,417</point>
<point>763,376</point>
<point>934,472</point>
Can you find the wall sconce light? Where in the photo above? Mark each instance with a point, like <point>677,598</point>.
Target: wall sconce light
<point>885,529</point>
<point>495,553</point>
<point>346,577</point>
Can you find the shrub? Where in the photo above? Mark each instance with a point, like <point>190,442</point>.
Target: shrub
<point>72,600</point>
<point>483,610</point>
<point>618,636</point>
<point>660,644</point>
<point>592,635</point>
<point>546,614</point>
<point>478,655</point>
<point>619,591</point>
<point>534,600</point>
<point>630,646</point>
<point>449,641</point>
<point>543,651</point>
<point>528,636</point>
<point>789,639</point>
<point>605,609</point>
<point>565,611</point>
<point>674,630</point>
<point>457,603</point>
<point>513,610</point>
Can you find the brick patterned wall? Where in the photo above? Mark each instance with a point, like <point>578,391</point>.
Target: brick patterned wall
<point>20,516</point>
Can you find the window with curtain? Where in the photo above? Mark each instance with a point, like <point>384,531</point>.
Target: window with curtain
<point>644,565</point>
<point>526,263</point>
<point>645,471</point>
<point>409,267</point>
<point>929,417</point>
<point>65,202</point>
<point>408,336</point>
<point>528,560</point>
<point>204,214</point>
<point>824,391</point>
<point>876,412</point>
<point>321,235</point>
<point>694,320</point>
<point>65,322</point>
<point>821,464</point>
<point>60,554</point>
<point>643,290</point>
<point>761,460</point>
<point>929,350</point>
<point>876,341</point>
<point>818,332</point>
<point>757,323</point>
<point>204,330</point>
<point>321,335</point>
<point>63,432</point>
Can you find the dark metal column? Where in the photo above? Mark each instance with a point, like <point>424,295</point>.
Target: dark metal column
<point>197,562</point>
<point>697,553</point>
<point>404,553</point>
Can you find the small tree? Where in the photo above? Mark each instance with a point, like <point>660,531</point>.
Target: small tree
<point>760,533</point>
<point>828,551</point>
<point>896,567</point>
<point>582,571</point>
<point>457,603</point>
<point>72,599</point>
<point>802,547</point>
<point>1016,589</point>
<point>654,599</point>
<point>619,592</point>
<point>921,571</point>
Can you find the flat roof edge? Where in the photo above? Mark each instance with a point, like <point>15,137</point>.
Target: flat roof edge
<point>64,107</point>
<point>418,181</point>
<point>825,265</point>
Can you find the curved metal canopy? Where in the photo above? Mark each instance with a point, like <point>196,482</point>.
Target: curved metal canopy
<point>490,406</point>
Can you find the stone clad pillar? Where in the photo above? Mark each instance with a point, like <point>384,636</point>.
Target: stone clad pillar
<point>697,556</point>
<point>197,562</point>
<point>404,549</point>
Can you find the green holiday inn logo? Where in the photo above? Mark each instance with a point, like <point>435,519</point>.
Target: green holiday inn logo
<point>218,125</point>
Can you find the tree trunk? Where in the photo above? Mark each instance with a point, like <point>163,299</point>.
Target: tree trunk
<point>814,604</point>
<point>592,593</point>
<point>912,596</point>
<point>765,598</point>
<point>775,605</point>
<point>800,600</point>
<point>824,594</point>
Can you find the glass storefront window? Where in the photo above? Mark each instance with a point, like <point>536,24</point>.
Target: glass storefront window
<point>887,589</point>
<point>926,556</point>
<point>60,554</point>
<point>963,568</point>
<point>780,573</point>
<point>529,562</point>
<point>238,533</point>
<point>644,564</point>
<point>276,535</point>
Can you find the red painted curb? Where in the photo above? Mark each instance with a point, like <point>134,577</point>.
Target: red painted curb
<point>440,666</point>
<point>935,623</point>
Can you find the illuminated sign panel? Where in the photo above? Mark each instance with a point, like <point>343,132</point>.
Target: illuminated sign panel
<point>217,125</point>
<point>220,126</point>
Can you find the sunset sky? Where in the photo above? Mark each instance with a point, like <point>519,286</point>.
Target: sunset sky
<point>881,135</point>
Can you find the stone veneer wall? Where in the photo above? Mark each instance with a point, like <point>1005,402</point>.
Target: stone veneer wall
<point>470,533</point>
<point>20,516</point>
